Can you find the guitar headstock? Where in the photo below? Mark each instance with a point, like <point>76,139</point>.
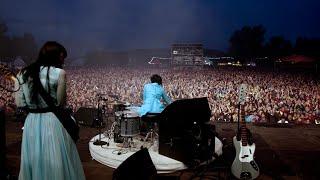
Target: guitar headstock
<point>242,93</point>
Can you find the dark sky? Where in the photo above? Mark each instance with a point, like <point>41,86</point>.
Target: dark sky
<point>82,25</point>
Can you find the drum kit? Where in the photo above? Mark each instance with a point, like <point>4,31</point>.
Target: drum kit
<point>126,124</point>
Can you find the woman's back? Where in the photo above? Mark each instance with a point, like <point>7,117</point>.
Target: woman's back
<point>47,150</point>
<point>52,80</point>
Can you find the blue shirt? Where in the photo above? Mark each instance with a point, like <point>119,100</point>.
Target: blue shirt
<point>152,94</point>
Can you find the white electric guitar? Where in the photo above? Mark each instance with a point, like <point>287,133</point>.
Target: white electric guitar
<point>244,166</point>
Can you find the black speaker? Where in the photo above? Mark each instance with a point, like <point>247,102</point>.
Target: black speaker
<point>137,166</point>
<point>185,133</point>
<point>86,116</point>
<point>183,114</point>
<point>3,171</point>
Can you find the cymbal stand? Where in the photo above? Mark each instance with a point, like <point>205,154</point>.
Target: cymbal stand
<point>109,133</point>
<point>99,120</point>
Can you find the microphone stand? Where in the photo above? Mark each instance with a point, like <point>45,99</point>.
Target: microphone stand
<point>3,157</point>
<point>99,142</point>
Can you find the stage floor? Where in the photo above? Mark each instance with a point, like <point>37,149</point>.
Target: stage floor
<point>289,153</point>
<point>114,154</point>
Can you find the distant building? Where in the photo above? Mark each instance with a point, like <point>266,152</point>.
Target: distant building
<point>187,55</point>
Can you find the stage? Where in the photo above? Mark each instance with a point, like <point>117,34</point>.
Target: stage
<point>113,155</point>
<point>281,153</point>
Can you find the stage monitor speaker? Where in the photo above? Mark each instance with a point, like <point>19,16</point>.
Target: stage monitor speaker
<point>86,116</point>
<point>183,114</point>
<point>137,166</point>
<point>185,133</point>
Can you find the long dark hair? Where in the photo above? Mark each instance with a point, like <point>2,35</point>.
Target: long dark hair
<point>51,54</point>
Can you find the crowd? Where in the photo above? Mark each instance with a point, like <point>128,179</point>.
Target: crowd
<point>271,96</point>
<point>6,98</point>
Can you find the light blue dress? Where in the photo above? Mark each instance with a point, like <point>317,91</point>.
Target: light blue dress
<point>47,152</point>
<point>152,94</point>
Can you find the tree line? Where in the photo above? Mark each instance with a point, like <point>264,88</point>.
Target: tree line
<point>12,47</point>
<point>246,43</point>
<point>249,42</point>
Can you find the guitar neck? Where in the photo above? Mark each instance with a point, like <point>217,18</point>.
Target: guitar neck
<point>243,128</point>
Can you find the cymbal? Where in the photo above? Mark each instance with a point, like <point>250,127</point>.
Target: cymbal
<point>115,102</point>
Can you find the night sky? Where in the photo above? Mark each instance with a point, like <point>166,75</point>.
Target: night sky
<point>83,25</point>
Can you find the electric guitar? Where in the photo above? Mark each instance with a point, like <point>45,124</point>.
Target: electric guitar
<point>244,166</point>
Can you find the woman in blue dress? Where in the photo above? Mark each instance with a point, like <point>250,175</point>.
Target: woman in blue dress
<point>48,151</point>
<point>153,93</point>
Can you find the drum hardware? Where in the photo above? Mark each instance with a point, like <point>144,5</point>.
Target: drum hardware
<point>151,120</point>
<point>109,134</point>
<point>128,142</point>
<point>113,106</point>
<point>154,137</point>
<point>125,126</point>
<point>99,142</point>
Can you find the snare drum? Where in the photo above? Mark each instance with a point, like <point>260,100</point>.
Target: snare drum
<point>129,124</point>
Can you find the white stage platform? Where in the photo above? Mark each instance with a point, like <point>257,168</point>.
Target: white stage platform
<point>110,156</point>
